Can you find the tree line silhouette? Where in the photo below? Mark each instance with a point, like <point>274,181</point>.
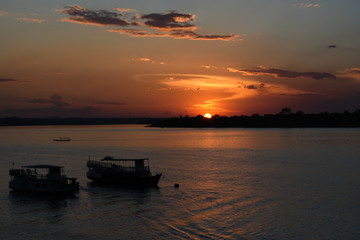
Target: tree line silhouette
<point>16,121</point>
<point>284,119</point>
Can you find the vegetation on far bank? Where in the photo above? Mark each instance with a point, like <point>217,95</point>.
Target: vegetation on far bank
<point>284,119</point>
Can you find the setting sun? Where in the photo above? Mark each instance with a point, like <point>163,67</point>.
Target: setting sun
<point>207,115</point>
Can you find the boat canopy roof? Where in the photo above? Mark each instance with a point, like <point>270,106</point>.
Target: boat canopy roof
<point>42,166</point>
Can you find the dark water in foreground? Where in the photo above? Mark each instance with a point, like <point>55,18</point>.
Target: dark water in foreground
<point>234,184</point>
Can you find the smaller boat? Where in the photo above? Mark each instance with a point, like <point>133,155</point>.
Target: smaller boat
<point>42,179</point>
<point>62,139</point>
<point>122,172</point>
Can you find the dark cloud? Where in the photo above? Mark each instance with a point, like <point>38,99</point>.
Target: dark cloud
<point>87,111</point>
<point>251,86</point>
<point>171,20</point>
<point>172,24</point>
<point>196,36</point>
<point>58,101</point>
<point>178,34</point>
<point>55,99</point>
<point>99,17</point>
<point>58,107</point>
<point>39,100</point>
<point>136,33</point>
<point>7,80</point>
<point>279,73</point>
<point>291,74</point>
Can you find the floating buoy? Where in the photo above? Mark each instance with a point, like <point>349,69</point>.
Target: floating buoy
<point>176,185</point>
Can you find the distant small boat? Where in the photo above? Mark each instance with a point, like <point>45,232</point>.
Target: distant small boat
<point>62,139</point>
<point>122,172</point>
<point>42,179</point>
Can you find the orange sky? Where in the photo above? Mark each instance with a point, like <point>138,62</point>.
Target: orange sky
<point>136,59</point>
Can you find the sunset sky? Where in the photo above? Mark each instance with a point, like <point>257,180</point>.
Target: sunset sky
<point>165,58</point>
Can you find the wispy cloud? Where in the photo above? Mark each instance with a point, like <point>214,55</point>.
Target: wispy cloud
<point>32,18</point>
<point>193,81</point>
<point>29,19</point>
<point>249,90</point>
<point>307,5</point>
<point>209,66</point>
<point>143,59</point>
<point>146,59</point>
<point>352,73</point>
<point>124,10</point>
<point>279,73</point>
<point>171,24</point>
<point>211,92</point>
<point>56,100</point>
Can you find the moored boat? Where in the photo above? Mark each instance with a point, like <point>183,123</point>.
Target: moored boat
<point>122,172</point>
<point>62,139</point>
<point>42,179</point>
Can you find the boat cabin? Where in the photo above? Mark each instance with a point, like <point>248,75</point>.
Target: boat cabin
<point>39,171</point>
<point>125,165</point>
<point>125,172</point>
<point>41,178</point>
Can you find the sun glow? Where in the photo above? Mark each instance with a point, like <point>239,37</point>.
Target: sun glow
<point>207,115</point>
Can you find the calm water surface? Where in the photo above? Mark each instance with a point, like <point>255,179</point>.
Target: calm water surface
<point>234,184</point>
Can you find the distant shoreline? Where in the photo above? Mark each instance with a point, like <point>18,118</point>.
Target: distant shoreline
<point>15,121</point>
<point>280,120</point>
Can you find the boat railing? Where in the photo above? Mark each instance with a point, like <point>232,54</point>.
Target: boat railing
<point>133,169</point>
<point>117,167</point>
<point>91,163</point>
<point>33,175</point>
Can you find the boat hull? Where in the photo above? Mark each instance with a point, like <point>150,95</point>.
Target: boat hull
<point>49,187</point>
<point>127,180</point>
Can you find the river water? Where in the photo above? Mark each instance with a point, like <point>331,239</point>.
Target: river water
<point>234,184</point>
